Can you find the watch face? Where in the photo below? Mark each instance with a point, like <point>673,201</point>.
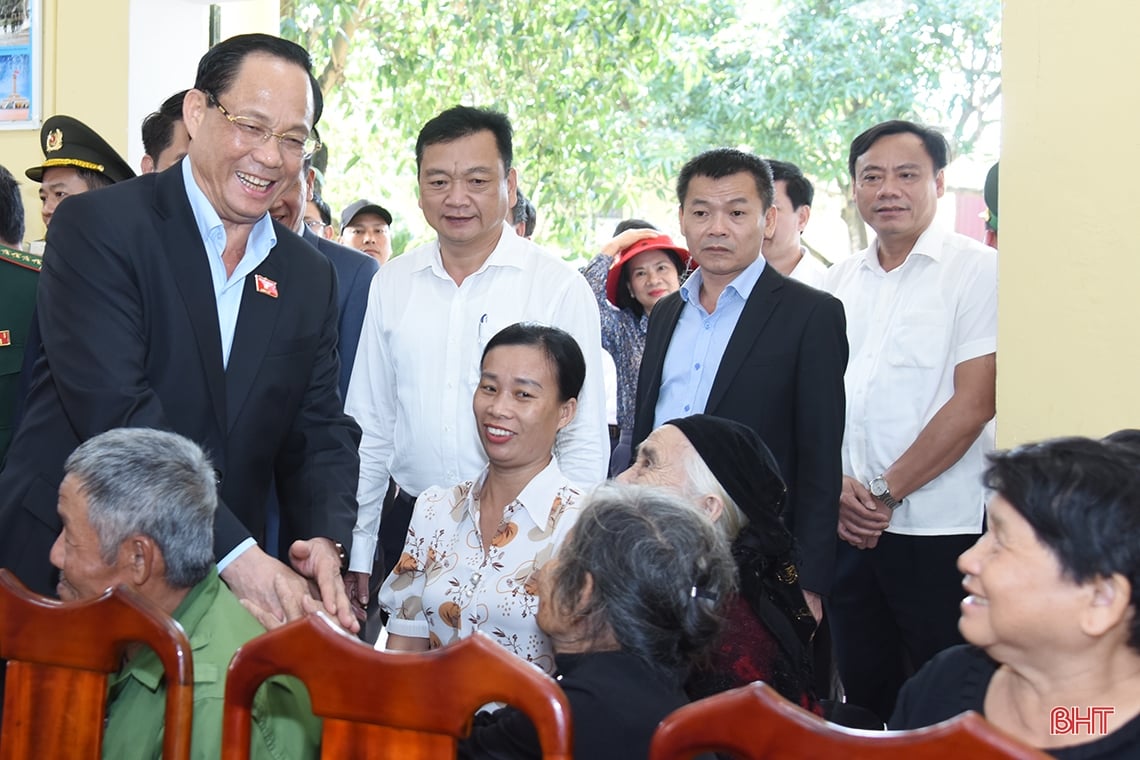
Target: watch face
<point>878,487</point>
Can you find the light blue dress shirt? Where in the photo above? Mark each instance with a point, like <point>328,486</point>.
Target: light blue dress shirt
<point>227,291</point>
<point>698,344</point>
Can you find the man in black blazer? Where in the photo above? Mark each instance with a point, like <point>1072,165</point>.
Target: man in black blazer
<point>354,270</point>
<point>174,302</point>
<point>741,341</point>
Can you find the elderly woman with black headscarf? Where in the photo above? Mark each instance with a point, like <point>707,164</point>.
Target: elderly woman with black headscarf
<point>632,598</point>
<point>726,470</point>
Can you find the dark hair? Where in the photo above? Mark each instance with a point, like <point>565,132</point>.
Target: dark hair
<point>219,66</point>
<point>461,121</point>
<point>158,127</point>
<point>323,209</point>
<point>625,299</point>
<point>1082,499</point>
<point>93,179</point>
<point>11,210</point>
<point>724,162</point>
<point>561,349</point>
<point>633,224</point>
<point>933,140</point>
<point>661,574</point>
<point>524,211</point>
<point>800,190</point>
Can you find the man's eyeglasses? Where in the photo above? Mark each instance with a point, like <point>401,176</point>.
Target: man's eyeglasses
<point>253,133</point>
<point>316,225</point>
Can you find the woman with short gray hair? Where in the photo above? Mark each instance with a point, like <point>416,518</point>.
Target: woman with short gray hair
<point>632,598</point>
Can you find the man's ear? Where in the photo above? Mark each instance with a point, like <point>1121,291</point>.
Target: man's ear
<point>140,555</point>
<point>194,107</point>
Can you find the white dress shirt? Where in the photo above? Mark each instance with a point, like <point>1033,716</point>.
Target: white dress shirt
<point>417,367</point>
<point>908,329</point>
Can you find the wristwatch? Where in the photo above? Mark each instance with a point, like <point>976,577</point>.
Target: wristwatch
<point>342,555</point>
<point>881,491</point>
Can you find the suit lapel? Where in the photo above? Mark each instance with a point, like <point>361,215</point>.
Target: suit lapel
<point>186,255</point>
<point>757,311</point>
<point>257,319</point>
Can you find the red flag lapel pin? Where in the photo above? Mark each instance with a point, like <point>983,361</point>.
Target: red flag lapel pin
<point>265,285</point>
<point>5,338</point>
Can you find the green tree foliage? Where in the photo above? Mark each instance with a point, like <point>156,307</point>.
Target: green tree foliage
<point>609,97</point>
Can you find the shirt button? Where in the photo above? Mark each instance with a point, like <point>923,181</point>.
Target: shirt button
<point>696,366</point>
<point>686,407</point>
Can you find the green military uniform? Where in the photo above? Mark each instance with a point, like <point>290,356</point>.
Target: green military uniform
<point>19,272</point>
<point>284,727</point>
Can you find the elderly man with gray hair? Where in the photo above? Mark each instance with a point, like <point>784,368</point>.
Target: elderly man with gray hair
<point>137,507</point>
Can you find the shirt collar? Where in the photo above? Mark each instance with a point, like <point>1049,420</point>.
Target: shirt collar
<point>742,284</point>
<point>929,244</point>
<point>145,667</point>
<point>510,251</point>
<point>262,237</point>
<point>539,497</point>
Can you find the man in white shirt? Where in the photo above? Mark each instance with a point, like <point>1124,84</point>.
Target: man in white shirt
<point>431,312</point>
<point>782,248</point>
<point>921,307</point>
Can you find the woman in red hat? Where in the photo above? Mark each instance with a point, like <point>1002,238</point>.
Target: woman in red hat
<point>636,269</point>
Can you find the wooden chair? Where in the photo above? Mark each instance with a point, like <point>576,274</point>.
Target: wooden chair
<point>756,723</point>
<point>59,655</point>
<point>391,704</point>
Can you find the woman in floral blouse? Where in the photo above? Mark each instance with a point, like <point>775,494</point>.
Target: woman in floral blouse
<point>472,550</point>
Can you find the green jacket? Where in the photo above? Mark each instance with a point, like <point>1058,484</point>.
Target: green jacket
<point>19,273</point>
<point>216,624</point>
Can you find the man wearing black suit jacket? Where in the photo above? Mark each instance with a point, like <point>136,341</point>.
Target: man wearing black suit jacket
<point>354,270</point>
<point>741,341</point>
<point>174,302</point>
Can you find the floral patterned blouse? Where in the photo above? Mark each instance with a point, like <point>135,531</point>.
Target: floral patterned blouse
<point>445,586</point>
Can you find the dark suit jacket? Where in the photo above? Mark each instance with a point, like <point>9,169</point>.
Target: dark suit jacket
<point>354,272</point>
<point>781,375</point>
<point>130,334</point>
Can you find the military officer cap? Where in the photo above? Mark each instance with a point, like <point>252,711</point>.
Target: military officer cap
<point>67,141</point>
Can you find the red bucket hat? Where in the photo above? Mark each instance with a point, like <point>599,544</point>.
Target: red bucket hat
<point>658,243</point>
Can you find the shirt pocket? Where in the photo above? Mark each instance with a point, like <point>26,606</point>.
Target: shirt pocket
<point>920,340</point>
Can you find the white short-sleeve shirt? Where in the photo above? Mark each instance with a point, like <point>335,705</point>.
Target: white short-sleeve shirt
<point>908,329</point>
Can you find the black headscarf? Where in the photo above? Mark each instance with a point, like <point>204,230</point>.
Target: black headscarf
<point>764,549</point>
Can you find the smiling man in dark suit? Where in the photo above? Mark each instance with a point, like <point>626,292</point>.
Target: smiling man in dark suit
<point>174,302</point>
<point>741,341</point>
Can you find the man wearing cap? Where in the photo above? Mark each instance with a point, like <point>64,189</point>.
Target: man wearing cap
<point>76,159</point>
<point>174,302</point>
<point>430,313</point>
<point>741,341</point>
<point>783,249</point>
<point>367,227</point>
<point>354,270</point>
<point>990,193</point>
<point>921,302</point>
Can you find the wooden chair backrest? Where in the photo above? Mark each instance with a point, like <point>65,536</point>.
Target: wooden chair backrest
<point>755,723</point>
<point>59,656</point>
<point>391,704</point>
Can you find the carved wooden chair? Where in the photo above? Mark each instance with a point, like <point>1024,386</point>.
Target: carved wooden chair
<point>755,723</point>
<point>391,704</point>
<point>59,656</point>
